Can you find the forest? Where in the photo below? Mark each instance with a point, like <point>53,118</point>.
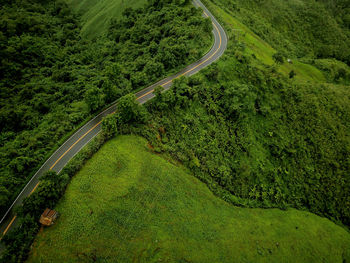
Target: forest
<point>52,79</point>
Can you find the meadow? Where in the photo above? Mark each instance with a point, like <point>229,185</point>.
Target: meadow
<point>128,204</point>
<point>263,51</point>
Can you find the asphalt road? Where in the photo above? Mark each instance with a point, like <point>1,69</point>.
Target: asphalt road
<point>77,141</point>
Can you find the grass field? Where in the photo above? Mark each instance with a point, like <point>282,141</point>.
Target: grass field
<point>130,205</point>
<point>262,50</point>
<point>96,14</point>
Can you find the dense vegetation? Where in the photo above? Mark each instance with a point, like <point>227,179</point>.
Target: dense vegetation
<point>116,210</point>
<point>257,138</point>
<point>51,79</point>
<point>307,30</point>
<point>259,131</point>
<point>298,28</point>
<point>51,188</point>
<point>261,139</point>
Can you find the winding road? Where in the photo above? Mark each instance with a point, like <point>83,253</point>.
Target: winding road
<point>80,138</point>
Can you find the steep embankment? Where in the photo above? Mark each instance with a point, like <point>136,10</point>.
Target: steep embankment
<point>129,205</point>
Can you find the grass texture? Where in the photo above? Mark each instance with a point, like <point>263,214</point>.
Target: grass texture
<point>130,205</point>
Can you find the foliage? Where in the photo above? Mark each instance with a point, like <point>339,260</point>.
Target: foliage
<point>94,99</point>
<point>336,71</point>
<point>130,205</point>
<point>96,14</point>
<point>51,188</point>
<point>305,28</point>
<point>278,58</point>
<point>110,126</point>
<point>51,79</point>
<point>256,139</point>
<point>18,242</point>
<point>130,111</point>
<point>292,74</point>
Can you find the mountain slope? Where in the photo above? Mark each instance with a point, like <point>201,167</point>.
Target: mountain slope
<point>258,135</point>
<point>298,27</point>
<point>129,205</point>
<point>313,34</point>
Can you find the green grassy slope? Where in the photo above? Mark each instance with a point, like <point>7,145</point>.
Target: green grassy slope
<point>96,14</point>
<point>304,31</point>
<point>298,27</point>
<point>262,50</point>
<point>129,205</point>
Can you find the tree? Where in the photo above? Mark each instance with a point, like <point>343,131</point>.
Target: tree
<point>346,20</point>
<point>110,91</point>
<point>208,26</point>
<point>154,69</point>
<point>4,193</point>
<point>139,79</point>
<point>110,125</point>
<point>130,110</point>
<point>93,98</point>
<point>113,72</point>
<point>341,74</point>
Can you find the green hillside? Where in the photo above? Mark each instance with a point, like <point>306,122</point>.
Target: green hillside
<point>263,51</point>
<point>267,126</point>
<point>298,27</point>
<point>57,80</point>
<point>305,31</point>
<point>97,14</point>
<point>130,205</point>
<point>262,132</point>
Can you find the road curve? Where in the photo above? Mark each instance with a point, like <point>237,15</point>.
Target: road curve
<point>86,133</point>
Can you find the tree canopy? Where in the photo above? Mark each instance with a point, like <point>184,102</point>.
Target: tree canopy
<point>52,79</point>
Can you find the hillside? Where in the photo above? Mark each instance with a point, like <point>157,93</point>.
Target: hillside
<point>310,33</point>
<point>258,135</point>
<point>96,15</point>
<point>52,80</point>
<point>299,28</point>
<point>129,205</point>
<point>259,141</point>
